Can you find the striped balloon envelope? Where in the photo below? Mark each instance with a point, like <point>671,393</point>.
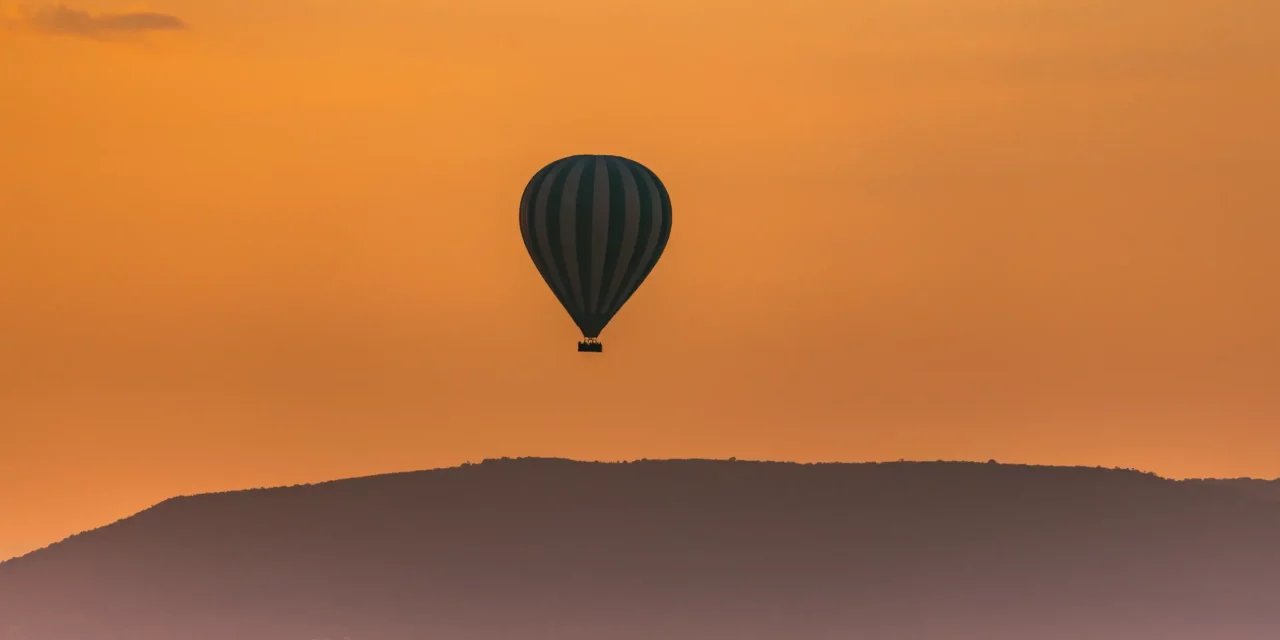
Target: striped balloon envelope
<point>595,226</point>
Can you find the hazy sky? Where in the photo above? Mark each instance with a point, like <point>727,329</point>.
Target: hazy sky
<point>258,243</point>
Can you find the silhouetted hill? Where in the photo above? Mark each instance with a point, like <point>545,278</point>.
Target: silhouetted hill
<point>673,550</point>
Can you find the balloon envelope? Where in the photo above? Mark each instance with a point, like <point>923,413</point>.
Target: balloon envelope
<point>595,226</point>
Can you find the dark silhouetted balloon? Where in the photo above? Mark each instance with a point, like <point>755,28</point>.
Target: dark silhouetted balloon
<point>595,227</point>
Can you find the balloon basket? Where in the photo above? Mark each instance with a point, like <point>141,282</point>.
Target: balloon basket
<point>590,346</point>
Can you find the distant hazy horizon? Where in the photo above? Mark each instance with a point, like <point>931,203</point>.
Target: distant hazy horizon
<point>254,244</point>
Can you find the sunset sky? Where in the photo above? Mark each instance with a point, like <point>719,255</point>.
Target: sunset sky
<point>252,243</point>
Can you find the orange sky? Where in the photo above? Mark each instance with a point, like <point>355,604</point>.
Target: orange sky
<point>281,245</point>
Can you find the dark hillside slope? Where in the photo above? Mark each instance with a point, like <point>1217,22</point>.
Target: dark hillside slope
<point>1266,489</point>
<point>677,550</point>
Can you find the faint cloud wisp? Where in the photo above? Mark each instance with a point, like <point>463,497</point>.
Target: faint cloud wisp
<point>61,19</point>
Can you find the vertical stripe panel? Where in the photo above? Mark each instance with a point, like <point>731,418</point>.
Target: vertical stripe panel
<point>664,234</point>
<point>542,224</point>
<point>651,237</point>
<point>568,235</point>
<point>599,233</point>
<point>630,233</point>
<point>617,224</point>
<point>582,230</point>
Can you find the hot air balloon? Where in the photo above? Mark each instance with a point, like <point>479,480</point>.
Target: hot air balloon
<point>595,226</point>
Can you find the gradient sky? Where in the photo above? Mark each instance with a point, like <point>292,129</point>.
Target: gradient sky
<point>280,245</point>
